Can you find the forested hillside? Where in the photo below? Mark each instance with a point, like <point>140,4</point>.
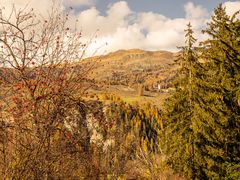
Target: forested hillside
<point>131,67</point>
<point>61,117</point>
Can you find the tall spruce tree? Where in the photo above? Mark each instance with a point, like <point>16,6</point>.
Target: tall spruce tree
<point>178,135</point>
<point>217,113</point>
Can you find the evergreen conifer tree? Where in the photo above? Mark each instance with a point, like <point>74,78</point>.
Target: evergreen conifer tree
<point>217,112</point>
<point>178,135</point>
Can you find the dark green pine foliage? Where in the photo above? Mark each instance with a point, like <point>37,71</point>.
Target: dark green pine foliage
<point>217,112</point>
<point>178,136</point>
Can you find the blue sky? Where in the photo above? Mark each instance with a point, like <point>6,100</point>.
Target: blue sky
<point>170,8</point>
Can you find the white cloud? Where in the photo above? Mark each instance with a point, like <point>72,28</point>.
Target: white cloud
<point>119,10</point>
<point>43,6</point>
<point>232,7</point>
<point>40,7</point>
<point>195,12</point>
<point>90,20</point>
<point>122,28</point>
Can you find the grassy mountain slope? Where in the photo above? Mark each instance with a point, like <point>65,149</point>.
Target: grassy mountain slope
<point>123,71</point>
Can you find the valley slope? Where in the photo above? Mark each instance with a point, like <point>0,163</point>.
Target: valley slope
<point>125,71</point>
